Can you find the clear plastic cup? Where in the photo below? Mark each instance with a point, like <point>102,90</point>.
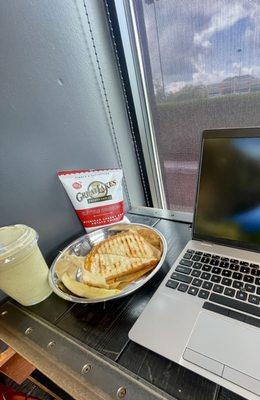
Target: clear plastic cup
<point>23,270</point>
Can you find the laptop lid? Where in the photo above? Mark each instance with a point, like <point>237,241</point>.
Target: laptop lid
<point>227,209</point>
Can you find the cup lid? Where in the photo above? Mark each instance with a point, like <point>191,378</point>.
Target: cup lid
<point>13,239</point>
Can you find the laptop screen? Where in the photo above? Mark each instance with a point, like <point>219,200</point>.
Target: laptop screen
<point>228,197</point>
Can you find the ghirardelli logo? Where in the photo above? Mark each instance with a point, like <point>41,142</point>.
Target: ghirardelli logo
<point>97,191</point>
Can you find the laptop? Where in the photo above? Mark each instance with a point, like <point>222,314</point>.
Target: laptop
<point>207,309</point>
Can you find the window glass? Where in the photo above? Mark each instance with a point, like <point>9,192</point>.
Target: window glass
<point>202,65</point>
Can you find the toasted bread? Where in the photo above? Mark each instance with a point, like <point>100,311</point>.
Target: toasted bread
<point>112,266</point>
<point>150,236</point>
<point>91,279</point>
<point>123,254</point>
<point>123,281</point>
<point>127,244</point>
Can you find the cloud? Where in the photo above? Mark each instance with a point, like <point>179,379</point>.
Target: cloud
<point>224,18</point>
<point>253,70</point>
<point>175,46</point>
<point>203,77</point>
<point>188,52</point>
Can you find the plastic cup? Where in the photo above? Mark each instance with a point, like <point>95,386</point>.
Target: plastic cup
<point>23,270</point>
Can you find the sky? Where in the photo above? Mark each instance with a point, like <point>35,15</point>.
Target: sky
<point>249,146</point>
<point>202,41</point>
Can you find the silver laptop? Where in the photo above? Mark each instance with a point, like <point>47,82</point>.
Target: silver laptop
<point>205,315</point>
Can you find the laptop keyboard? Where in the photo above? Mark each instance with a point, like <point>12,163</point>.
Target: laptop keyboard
<point>222,280</point>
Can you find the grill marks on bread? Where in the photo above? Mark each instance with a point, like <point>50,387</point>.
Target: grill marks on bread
<point>128,244</point>
<point>113,266</point>
<point>122,254</point>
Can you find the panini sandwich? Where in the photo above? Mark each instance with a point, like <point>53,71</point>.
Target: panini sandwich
<point>122,254</point>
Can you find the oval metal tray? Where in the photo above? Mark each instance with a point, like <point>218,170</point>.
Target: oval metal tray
<point>84,244</point>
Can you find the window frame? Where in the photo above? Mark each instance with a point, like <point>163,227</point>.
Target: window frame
<point>135,68</point>
<point>132,53</point>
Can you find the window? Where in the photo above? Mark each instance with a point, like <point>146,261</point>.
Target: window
<point>202,69</point>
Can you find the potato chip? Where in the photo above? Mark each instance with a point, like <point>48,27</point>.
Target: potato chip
<point>68,263</point>
<point>83,290</point>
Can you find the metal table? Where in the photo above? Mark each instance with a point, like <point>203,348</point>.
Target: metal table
<point>85,348</point>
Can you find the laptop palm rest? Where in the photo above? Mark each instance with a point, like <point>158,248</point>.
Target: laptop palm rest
<point>226,348</point>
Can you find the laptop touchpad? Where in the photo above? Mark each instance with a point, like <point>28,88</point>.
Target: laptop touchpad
<point>221,344</point>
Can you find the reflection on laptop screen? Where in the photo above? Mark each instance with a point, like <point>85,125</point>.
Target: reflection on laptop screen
<point>228,202</point>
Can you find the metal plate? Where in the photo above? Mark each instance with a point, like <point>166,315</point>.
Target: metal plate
<point>84,244</point>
